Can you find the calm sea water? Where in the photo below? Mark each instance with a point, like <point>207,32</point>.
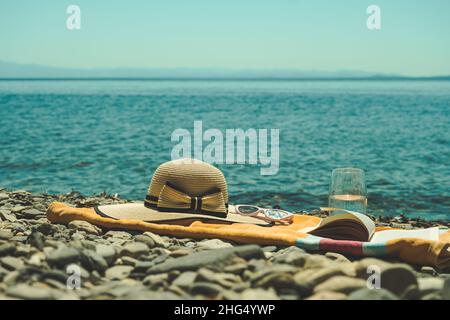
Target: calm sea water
<point>94,136</point>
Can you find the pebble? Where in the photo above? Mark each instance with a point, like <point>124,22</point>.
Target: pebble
<point>259,294</point>
<point>446,289</point>
<point>11,263</point>
<point>293,255</point>
<point>63,256</point>
<point>206,289</point>
<point>31,213</point>
<point>134,249</point>
<point>372,294</point>
<point>278,276</point>
<point>107,252</point>
<point>226,280</point>
<point>216,258</point>
<point>328,295</point>
<point>157,240</point>
<point>212,244</point>
<point>7,216</point>
<point>93,261</point>
<point>362,266</point>
<point>312,277</point>
<point>185,279</point>
<point>118,235</point>
<point>6,249</point>
<point>4,196</point>
<point>35,255</point>
<point>145,239</point>
<point>118,272</point>
<point>156,279</point>
<point>429,285</point>
<point>336,257</point>
<point>397,277</point>
<point>342,284</point>
<point>6,235</point>
<point>85,226</point>
<point>24,291</point>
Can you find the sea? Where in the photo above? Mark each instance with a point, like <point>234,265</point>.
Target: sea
<point>93,136</point>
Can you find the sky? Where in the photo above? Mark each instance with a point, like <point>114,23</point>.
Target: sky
<point>319,35</point>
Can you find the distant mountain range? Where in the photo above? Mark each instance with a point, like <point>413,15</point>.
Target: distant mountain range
<point>9,70</point>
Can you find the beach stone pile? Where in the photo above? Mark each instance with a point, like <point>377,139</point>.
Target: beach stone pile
<point>40,260</point>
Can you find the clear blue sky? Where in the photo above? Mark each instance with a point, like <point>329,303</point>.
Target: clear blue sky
<point>270,34</point>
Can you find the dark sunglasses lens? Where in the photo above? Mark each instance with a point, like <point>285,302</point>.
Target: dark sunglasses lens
<point>248,209</point>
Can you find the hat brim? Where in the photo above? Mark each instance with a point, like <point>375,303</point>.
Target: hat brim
<point>137,211</point>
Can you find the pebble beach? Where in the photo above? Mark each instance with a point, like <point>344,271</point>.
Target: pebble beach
<point>38,259</point>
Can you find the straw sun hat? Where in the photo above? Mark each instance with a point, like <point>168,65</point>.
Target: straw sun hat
<point>183,189</point>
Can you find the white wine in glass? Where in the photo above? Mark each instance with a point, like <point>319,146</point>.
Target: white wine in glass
<point>348,190</point>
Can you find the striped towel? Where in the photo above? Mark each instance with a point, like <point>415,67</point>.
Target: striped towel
<point>410,250</point>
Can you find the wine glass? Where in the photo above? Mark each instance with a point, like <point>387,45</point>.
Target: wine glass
<point>348,190</point>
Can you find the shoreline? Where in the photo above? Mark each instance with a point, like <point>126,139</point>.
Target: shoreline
<point>35,254</point>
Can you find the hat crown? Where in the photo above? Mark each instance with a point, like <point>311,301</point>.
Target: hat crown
<point>194,177</point>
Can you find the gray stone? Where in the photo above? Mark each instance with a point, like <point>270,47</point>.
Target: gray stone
<point>277,276</point>
<point>342,284</point>
<point>181,252</point>
<point>3,196</point>
<point>63,256</point>
<point>118,235</point>
<point>17,209</point>
<point>372,294</point>
<point>213,258</point>
<point>185,280</point>
<point>23,291</point>
<point>429,285</point>
<point>362,266</point>
<point>293,256</point>
<point>118,272</point>
<point>158,240</point>
<point>226,280</point>
<point>156,279</point>
<point>212,244</point>
<point>31,213</point>
<point>315,261</point>
<point>312,277</point>
<point>397,277</point>
<point>129,261</point>
<point>145,239</point>
<point>327,295</point>
<point>247,252</point>
<point>446,290</point>
<point>85,226</point>
<point>150,295</point>
<point>11,263</point>
<point>206,289</point>
<point>237,268</point>
<point>6,234</point>
<point>336,257</point>
<point>36,239</point>
<point>259,294</point>
<point>7,249</point>
<point>134,249</point>
<point>7,216</point>
<point>107,252</point>
<point>93,261</point>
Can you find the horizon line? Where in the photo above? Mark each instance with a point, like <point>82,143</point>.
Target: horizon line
<point>349,78</point>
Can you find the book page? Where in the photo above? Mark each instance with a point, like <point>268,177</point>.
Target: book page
<point>425,234</point>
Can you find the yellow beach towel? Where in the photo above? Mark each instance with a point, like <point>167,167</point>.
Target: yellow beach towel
<point>410,250</point>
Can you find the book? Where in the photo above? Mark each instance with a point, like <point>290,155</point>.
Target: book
<point>351,225</point>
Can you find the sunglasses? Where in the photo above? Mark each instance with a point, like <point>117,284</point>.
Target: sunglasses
<point>275,215</point>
